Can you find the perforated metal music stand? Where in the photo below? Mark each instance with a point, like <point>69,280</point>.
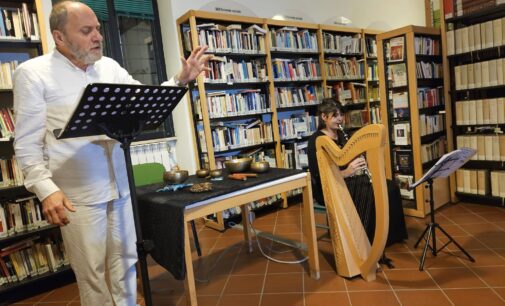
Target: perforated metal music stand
<point>445,166</point>
<point>122,112</point>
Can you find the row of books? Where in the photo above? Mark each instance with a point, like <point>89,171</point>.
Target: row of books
<point>430,124</point>
<point>6,123</point>
<point>228,39</point>
<point>157,152</point>
<point>454,8</point>
<point>430,97</point>
<point>226,70</point>
<point>488,147</point>
<point>348,92</point>
<point>295,155</point>
<point>342,68</point>
<point>356,118</point>
<point>371,46</point>
<point>426,45</point>
<point>299,125</point>
<point>292,39</point>
<point>342,44</point>
<point>486,111</point>
<point>21,216</point>
<point>481,74</point>
<point>19,23</point>
<point>434,150</point>
<point>481,182</point>
<point>373,72</point>
<point>6,72</point>
<point>234,103</point>
<point>30,258</point>
<point>373,93</point>
<point>232,135</point>
<point>296,69</point>
<point>255,205</point>
<point>429,70</point>
<point>300,95</point>
<point>375,114</point>
<point>476,37</point>
<point>10,173</point>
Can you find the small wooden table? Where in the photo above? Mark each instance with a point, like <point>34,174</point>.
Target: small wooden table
<point>282,180</point>
<point>244,196</point>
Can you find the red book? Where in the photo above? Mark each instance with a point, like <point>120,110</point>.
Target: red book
<point>448,9</point>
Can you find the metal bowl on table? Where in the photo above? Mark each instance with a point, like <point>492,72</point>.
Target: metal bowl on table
<point>260,166</point>
<point>216,173</point>
<point>238,165</point>
<point>202,172</point>
<point>175,176</point>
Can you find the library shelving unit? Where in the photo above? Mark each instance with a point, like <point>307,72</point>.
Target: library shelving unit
<point>268,75</point>
<point>474,42</point>
<point>232,108</point>
<point>372,74</point>
<point>412,108</point>
<point>344,71</point>
<point>296,86</point>
<point>24,236</point>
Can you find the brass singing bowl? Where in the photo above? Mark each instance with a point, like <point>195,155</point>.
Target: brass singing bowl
<point>216,173</point>
<point>202,172</point>
<point>238,165</point>
<point>260,166</point>
<point>175,177</point>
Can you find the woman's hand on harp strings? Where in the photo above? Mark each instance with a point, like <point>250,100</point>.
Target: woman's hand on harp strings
<point>356,165</point>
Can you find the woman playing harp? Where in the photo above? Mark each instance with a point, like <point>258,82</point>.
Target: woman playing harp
<point>331,117</point>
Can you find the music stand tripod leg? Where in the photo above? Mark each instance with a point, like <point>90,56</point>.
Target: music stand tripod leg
<point>456,243</point>
<point>430,229</point>
<point>143,246</point>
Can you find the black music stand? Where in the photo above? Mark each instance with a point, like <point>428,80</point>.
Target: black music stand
<point>446,165</point>
<point>122,112</point>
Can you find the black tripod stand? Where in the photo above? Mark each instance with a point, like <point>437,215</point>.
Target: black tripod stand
<point>429,232</point>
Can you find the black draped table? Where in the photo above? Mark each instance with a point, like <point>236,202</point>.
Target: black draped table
<point>164,216</point>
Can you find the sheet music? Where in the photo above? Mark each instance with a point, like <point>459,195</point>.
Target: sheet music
<point>446,165</point>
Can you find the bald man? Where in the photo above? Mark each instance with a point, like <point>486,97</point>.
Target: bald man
<point>81,182</point>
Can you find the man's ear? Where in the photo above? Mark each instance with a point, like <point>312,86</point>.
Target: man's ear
<point>58,37</point>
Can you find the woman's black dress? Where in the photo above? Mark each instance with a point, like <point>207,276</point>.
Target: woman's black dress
<point>361,192</point>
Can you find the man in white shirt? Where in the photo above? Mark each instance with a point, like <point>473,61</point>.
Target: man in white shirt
<point>81,182</point>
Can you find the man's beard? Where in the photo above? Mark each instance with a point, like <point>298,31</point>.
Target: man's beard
<point>86,58</point>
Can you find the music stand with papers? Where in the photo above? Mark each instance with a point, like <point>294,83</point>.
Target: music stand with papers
<point>122,112</point>
<point>445,166</point>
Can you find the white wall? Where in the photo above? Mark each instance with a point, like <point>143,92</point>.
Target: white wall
<point>377,14</point>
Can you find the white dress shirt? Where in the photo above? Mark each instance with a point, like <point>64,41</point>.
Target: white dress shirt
<point>88,170</point>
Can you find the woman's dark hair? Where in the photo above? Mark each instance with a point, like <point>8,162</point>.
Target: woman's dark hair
<point>329,107</point>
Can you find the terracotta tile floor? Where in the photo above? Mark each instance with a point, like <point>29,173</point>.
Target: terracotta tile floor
<point>231,276</point>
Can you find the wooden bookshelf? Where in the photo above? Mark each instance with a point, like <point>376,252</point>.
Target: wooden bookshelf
<point>410,111</point>
<point>302,56</point>
<point>32,46</point>
<point>466,51</point>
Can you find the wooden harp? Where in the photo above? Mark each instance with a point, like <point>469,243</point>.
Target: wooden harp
<point>353,253</point>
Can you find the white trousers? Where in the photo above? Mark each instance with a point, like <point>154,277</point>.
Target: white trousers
<point>100,242</point>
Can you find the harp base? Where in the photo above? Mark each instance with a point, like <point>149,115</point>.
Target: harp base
<point>430,232</point>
